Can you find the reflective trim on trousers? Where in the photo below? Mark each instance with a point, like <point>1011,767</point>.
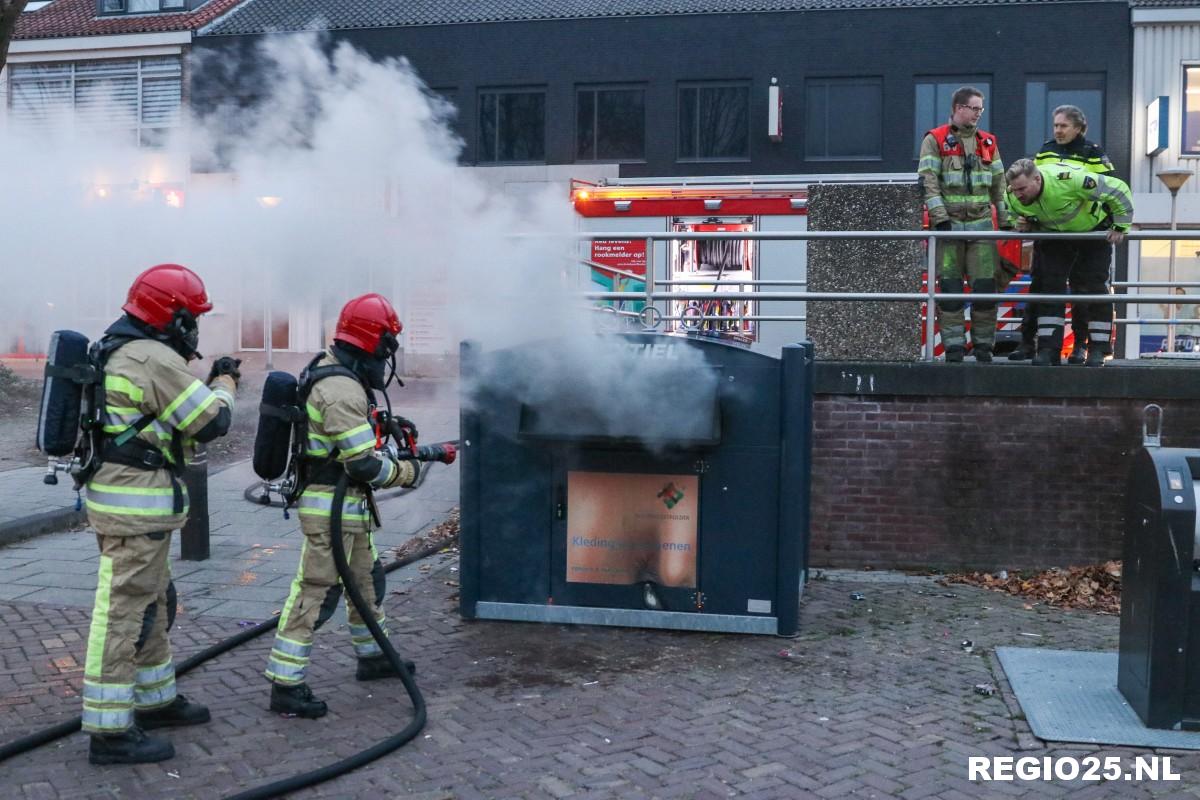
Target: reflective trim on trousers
<point>106,720</point>
<point>288,661</point>
<point>365,645</point>
<point>107,693</point>
<point>107,707</point>
<point>1100,331</point>
<point>285,672</point>
<point>154,686</point>
<point>292,648</point>
<point>154,697</point>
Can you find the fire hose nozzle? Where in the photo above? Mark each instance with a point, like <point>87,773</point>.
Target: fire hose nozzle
<point>444,452</point>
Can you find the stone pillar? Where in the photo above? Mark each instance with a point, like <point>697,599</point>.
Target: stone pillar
<point>872,331</point>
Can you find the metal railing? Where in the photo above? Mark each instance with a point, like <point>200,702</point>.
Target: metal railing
<point>651,317</point>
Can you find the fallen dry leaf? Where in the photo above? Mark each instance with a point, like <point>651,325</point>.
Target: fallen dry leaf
<point>1096,587</point>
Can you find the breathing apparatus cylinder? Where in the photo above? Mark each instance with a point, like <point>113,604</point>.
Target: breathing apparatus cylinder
<point>62,393</point>
<point>276,415</point>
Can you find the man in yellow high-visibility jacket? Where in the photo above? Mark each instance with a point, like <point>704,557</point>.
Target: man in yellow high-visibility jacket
<point>1069,199</point>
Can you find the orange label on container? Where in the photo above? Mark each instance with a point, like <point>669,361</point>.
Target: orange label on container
<point>628,528</point>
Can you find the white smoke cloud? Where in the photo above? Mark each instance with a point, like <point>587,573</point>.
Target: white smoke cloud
<point>344,180</point>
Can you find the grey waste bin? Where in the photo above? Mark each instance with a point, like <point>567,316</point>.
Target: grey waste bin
<point>686,507</point>
<point>1159,663</point>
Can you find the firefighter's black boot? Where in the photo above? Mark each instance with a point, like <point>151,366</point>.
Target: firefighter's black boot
<point>1078,353</point>
<point>296,700</point>
<point>376,667</point>
<point>983,353</point>
<point>1095,357</point>
<point>954,354</point>
<point>130,747</point>
<point>176,714</point>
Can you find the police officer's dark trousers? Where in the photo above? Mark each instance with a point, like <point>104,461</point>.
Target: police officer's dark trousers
<point>1059,261</point>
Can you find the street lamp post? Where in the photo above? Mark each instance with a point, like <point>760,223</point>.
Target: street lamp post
<point>1173,179</point>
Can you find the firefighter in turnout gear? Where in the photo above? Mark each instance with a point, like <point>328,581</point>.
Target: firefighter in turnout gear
<point>1070,199</point>
<point>340,440</point>
<point>1067,147</point>
<point>963,178</point>
<point>154,412</point>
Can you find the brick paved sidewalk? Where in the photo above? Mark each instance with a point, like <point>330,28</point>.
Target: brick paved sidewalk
<point>874,699</point>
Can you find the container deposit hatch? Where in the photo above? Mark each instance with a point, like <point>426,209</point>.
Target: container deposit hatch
<point>643,480</point>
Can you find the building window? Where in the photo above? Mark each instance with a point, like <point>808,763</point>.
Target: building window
<point>512,126</point>
<point>140,6</point>
<point>1191,112</point>
<point>135,99</point>
<point>714,122</point>
<point>932,104</point>
<point>844,119</point>
<point>610,124</point>
<point>1043,94</point>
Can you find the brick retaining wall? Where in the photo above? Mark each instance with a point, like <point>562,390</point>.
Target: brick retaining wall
<point>978,475</point>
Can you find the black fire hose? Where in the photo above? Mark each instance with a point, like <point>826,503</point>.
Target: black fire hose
<point>47,735</point>
<point>386,746</point>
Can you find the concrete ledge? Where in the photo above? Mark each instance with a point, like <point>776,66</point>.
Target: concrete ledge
<point>1134,379</point>
<point>59,519</point>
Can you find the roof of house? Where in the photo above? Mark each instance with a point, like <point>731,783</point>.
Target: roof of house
<point>261,16</point>
<point>78,18</point>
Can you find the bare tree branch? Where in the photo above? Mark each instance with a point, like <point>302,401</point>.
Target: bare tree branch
<point>9,11</point>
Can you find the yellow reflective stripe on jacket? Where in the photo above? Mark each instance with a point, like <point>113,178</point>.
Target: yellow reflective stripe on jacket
<point>118,418</point>
<point>354,441</point>
<point>313,413</point>
<point>318,445</point>
<point>387,473</point>
<point>132,500</point>
<point>224,396</point>
<point>190,403</point>
<point>115,383</point>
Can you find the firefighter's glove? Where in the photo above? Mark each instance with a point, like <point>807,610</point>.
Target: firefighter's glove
<point>226,365</point>
<point>404,430</point>
<point>943,226</point>
<point>445,453</point>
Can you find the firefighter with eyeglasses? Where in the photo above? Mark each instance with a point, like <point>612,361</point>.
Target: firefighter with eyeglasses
<point>962,177</point>
<point>154,414</point>
<point>337,397</point>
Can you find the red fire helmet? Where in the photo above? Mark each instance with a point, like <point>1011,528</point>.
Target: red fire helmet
<point>364,323</point>
<point>161,291</point>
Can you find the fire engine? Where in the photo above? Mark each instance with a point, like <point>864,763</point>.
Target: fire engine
<point>691,268</point>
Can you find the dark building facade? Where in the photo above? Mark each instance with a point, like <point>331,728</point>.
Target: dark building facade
<point>682,88</point>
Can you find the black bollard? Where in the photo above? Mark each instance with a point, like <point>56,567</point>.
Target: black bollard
<point>193,539</point>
